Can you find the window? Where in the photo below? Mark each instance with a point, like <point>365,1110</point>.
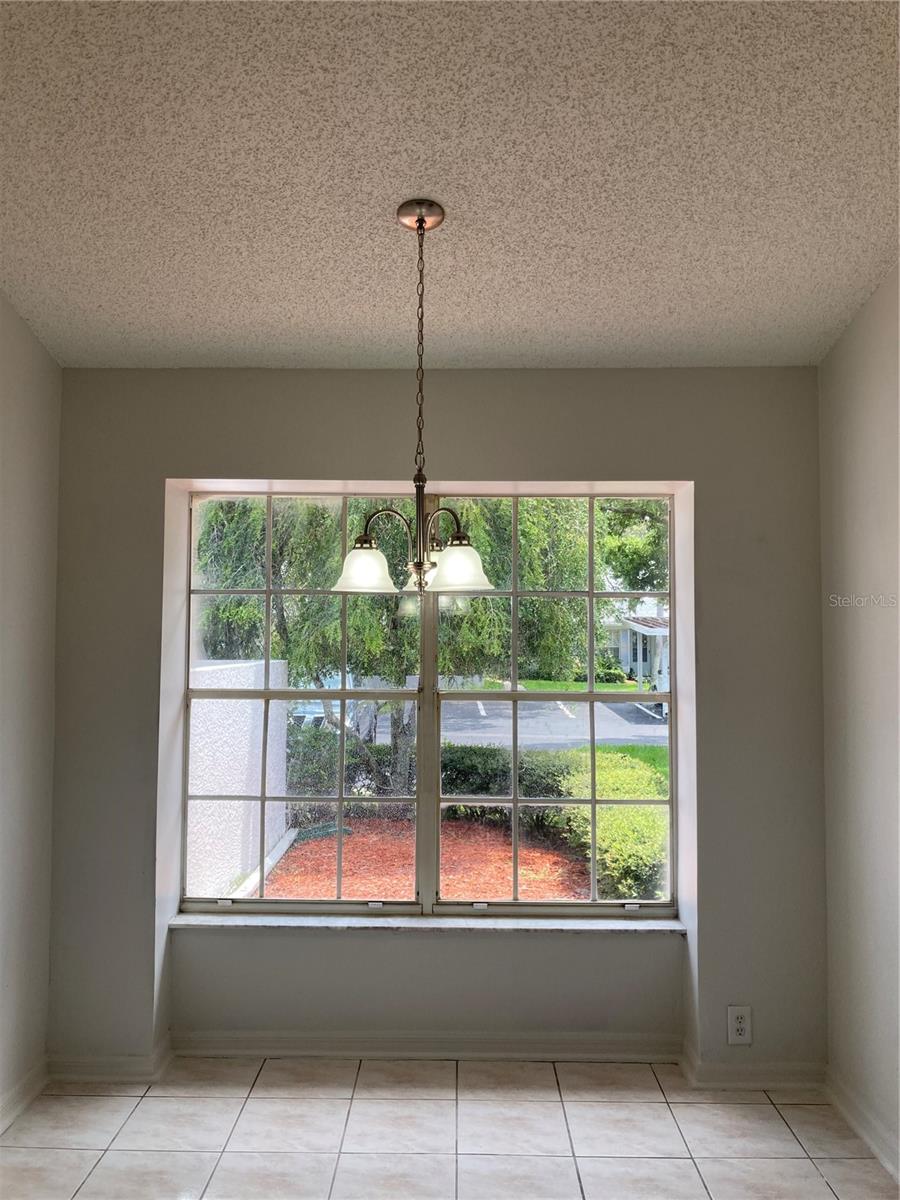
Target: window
<point>491,752</point>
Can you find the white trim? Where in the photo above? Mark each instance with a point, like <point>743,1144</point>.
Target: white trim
<point>424,924</point>
<point>862,1120</point>
<point>137,1068</point>
<point>749,1075</point>
<point>587,1046</point>
<point>17,1098</point>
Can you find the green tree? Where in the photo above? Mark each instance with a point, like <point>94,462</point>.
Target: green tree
<point>632,545</point>
<point>382,642</point>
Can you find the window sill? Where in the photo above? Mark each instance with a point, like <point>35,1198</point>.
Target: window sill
<point>431,924</point>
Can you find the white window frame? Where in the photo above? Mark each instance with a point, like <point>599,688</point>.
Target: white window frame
<point>428,800</point>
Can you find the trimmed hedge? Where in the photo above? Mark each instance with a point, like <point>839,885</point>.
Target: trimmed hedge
<point>632,840</point>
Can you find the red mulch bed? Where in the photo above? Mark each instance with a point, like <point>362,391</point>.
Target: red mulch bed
<point>476,864</point>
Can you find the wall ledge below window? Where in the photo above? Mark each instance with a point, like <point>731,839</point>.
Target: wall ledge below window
<point>429,924</point>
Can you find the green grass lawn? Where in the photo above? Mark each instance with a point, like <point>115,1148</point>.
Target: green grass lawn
<point>557,685</point>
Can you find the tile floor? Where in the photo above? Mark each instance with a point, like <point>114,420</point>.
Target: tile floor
<point>319,1129</point>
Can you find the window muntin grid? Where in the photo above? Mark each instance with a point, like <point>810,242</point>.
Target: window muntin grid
<point>589,590</point>
<point>340,693</point>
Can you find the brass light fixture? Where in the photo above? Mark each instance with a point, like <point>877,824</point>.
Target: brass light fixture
<point>433,566</point>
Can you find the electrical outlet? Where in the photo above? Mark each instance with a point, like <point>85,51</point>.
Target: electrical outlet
<point>740,1025</point>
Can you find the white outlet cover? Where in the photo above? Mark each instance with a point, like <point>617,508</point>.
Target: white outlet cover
<point>740,1025</point>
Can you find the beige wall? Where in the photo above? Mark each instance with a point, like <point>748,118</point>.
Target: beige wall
<point>30,388</point>
<point>859,448</point>
<point>748,440</point>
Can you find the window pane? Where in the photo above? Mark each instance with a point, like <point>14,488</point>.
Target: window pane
<point>229,542</point>
<point>631,545</point>
<point>554,750</point>
<point>474,643</point>
<point>632,747</point>
<point>632,852</point>
<point>631,639</point>
<point>225,747</point>
<point>476,748</point>
<point>306,541</point>
<point>305,642</point>
<point>301,863</point>
<point>379,852</point>
<point>555,852</point>
<point>222,848</point>
<point>476,852</point>
<point>553,655</point>
<point>488,522</point>
<point>382,643</point>
<point>553,544</point>
<point>228,641</point>
<point>388,531</point>
<point>380,748</point>
<point>302,747</point>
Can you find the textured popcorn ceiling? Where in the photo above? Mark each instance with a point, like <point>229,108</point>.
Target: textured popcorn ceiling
<point>190,184</point>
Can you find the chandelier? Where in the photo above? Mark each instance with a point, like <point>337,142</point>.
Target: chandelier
<point>434,566</point>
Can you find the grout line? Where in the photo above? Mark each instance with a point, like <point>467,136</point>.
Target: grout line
<point>340,1150</point>
<point>793,1135</point>
<point>131,1112</point>
<point>568,1131</point>
<point>233,1126</point>
<point>681,1135</point>
<point>456,1135</point>
<point>828,1182</point>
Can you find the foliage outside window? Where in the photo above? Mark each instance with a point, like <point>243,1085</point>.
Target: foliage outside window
<point>548,719</point>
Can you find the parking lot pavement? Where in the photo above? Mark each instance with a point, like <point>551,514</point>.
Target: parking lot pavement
<point>550,724</point>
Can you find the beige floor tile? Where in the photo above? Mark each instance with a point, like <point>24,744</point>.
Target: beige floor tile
<point>823,1132</point>
<point>640,1179</point>
<point>512,1127</point>
<point>69,1122</point>
<point>318,1078</point>
<point>483,1080</point>
<point>763,1179</point>
<point>224,1077</point>
<point>403,1079</point>
<point>736,1131</point>
<point>395,1177</point>
<point>43,1174</point>
<point>140,1174</point>
<point>608,1081</point>
<point>630,1130</point>
<point>93,1087</point>
<point>304,1126</point>
<point>798,1095</point>
<point>858,1179</point>
<point>678,1090</point>
<point>401,1127</point>
<point>517,1177</point>
<point>169,1123</point>
<point>253,1176</point>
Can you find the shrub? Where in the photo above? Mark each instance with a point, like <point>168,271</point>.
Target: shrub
<point>312,760</point>
<point>632,845</point>
<point>608,670</point>
<point>632,772</point>
<point>475,770</point>
<point>631,839</point>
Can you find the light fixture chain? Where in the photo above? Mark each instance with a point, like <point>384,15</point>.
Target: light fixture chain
<point>420,345</point>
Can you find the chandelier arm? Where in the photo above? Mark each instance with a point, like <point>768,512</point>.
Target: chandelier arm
<point>458,529</point>
<point>391,512</point>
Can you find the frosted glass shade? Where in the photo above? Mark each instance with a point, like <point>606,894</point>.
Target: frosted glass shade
<point>434,557</point>
<point>459,569</point>
<point>365,570</point>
